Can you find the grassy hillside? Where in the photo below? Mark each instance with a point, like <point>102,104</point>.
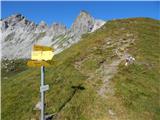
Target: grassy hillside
<point>89,81</point>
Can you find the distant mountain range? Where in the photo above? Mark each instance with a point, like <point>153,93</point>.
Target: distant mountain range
<point>20,34</point>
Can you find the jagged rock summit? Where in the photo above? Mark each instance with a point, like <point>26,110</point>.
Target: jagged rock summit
<point>84,23</point>
<point>20,34</point>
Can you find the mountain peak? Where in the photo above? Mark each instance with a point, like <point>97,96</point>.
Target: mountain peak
<point>84,12</point>
<point>42,23</point>
<point>83,23</point>
<point>17,15</point>
<point>57,24</point>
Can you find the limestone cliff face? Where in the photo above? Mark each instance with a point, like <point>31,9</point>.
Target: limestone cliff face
<point>84,23</point>
<point>20,34</point>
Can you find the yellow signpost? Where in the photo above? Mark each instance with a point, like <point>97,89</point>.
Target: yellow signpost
<point>33,63</point>
<point>39,56</point>
<point>41,53</point>
<point>42,48</point>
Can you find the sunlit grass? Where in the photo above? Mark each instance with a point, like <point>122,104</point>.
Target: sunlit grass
<point>73,96</point>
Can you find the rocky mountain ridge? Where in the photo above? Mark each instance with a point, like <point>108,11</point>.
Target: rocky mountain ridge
<point>20,34</point>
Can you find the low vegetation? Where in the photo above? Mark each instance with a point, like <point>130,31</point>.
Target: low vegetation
<point>75,77</point>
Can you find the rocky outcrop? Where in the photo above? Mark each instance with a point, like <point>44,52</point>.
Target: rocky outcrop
<point>97,24</point>
<point>83,24</point>
<point>20,34</point>
<point>42,27</point>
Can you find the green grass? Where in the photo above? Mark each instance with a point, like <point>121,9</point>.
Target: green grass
<point>12,67</point>
<point>74,96</point>
<point>138,85</point>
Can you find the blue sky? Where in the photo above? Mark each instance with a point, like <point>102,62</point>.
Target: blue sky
<point>66,12</point>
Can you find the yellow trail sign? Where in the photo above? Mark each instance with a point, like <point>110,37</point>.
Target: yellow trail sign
<point>42,48</point>
<point>32,63</point>
<point>42,53</point>
<point>38,55</point>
